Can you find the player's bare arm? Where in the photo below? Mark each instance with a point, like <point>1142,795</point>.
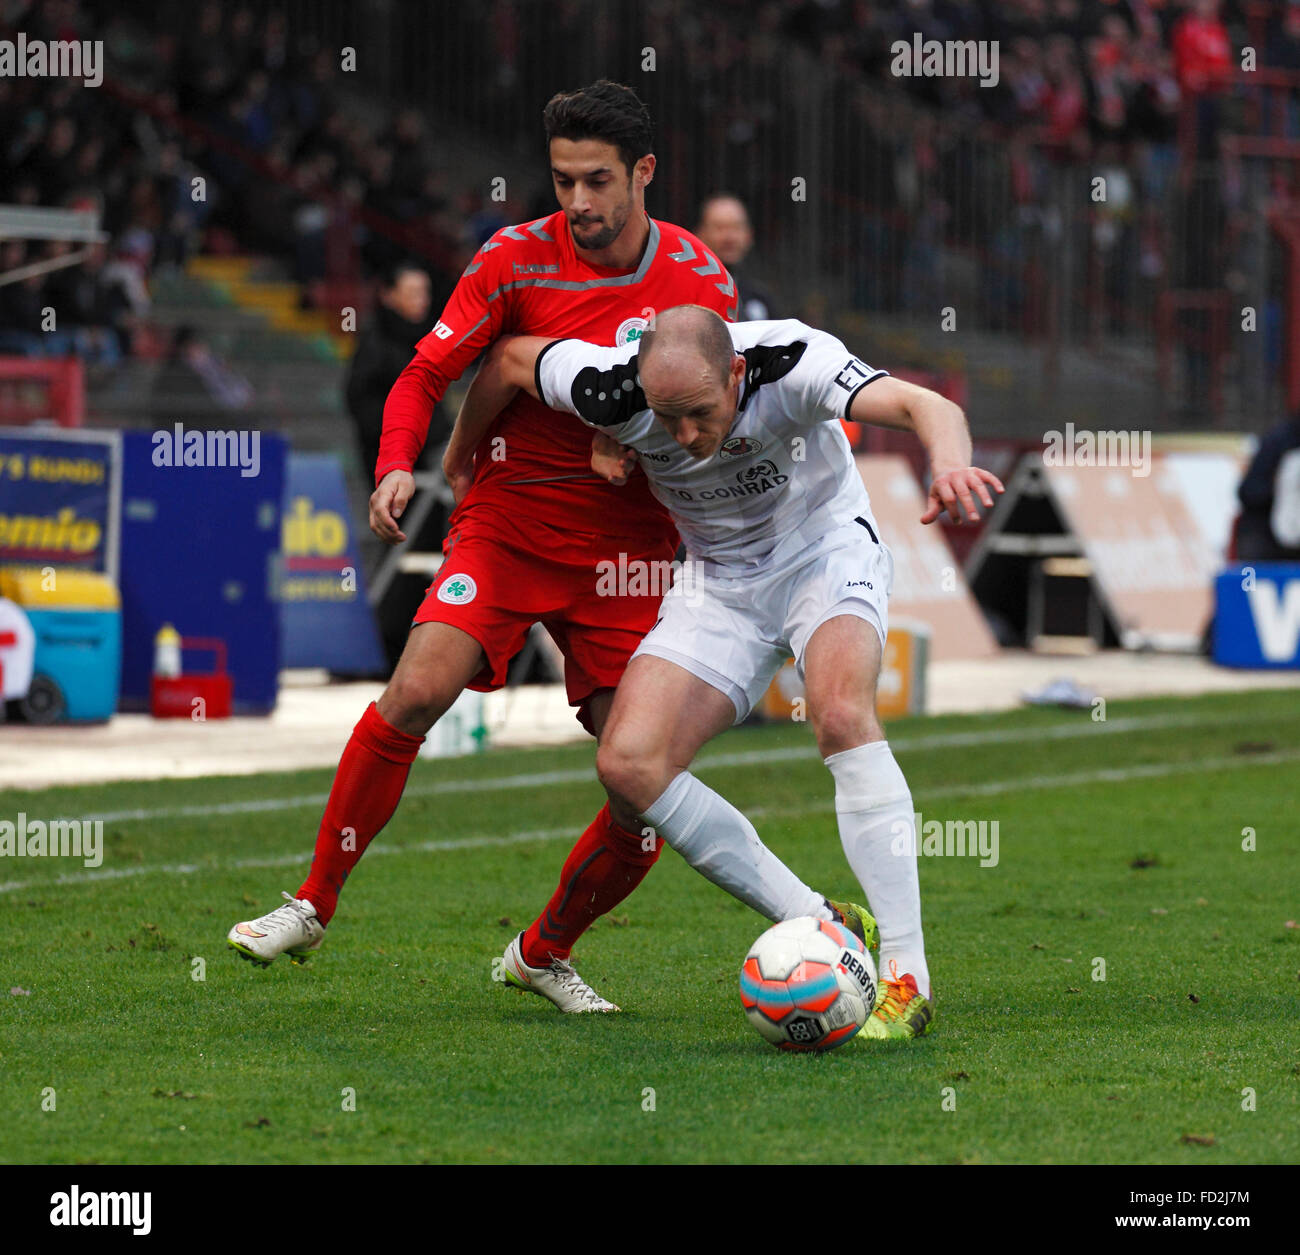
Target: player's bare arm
<point>488,394</point>
<point>508,366</point>
<point>511,364</point>
<point>942,429</point>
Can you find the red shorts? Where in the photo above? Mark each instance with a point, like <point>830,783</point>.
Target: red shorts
<point>494,588</point>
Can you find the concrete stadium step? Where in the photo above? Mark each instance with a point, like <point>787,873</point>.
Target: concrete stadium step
<point>295,374</point>
<point>253,285</point>
<point>221,269</point>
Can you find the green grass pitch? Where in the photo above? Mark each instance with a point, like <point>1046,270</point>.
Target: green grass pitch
<point>1119,840</point>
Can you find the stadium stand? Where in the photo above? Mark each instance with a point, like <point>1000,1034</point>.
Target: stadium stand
<point>912,186</point>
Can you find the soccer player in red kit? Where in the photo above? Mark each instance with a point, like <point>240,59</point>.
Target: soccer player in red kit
<point>532,526</point>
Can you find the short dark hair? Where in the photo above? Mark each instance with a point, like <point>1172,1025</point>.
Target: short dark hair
<point>713,197</point>
<point>605,111</point>
<point>391,273</point>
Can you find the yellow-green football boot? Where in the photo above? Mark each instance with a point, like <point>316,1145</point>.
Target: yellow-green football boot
<point>858,920</point>
<point>900,1011</point>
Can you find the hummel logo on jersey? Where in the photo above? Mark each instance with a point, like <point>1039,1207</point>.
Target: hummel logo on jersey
<point>739,447</point>
<point>521,268</point>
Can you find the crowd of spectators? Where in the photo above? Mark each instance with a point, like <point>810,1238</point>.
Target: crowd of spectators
<point>914,181</point>
<point>212,130</point>
<point>1081,71</point>
<point>60,148</point>
<point>64,145</point>
<point>298,162</point>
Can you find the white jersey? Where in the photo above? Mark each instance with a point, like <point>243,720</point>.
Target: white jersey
<point>783,477</point>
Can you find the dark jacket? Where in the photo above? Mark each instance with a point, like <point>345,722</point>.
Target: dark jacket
<point>756,303</point>
<point>1255,539</point>
<point>386,346</point>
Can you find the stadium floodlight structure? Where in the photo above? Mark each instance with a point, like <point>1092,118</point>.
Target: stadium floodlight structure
<point>34,222</point>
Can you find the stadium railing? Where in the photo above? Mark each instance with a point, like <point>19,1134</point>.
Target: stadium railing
<point>40,389</point>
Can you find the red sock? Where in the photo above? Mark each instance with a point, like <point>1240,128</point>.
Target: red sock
<point>367,787</point>
<point>606,864</point>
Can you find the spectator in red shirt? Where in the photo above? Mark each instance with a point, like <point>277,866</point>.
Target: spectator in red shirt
<point>1067,104</point>
<point>1202,53</point>
<point>1202,63</point>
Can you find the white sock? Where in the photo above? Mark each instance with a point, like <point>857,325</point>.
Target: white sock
<point>878,830</point>
<point>721,844</point>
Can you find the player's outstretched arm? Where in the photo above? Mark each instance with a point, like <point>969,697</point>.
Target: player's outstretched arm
<point>941,427</point>
<point>487,396</point>
<point>506,367</point>
<point>518,365</point>
<point>407,410</point>
<point>518,361</point>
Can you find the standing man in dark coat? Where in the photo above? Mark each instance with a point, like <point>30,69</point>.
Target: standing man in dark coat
<point>387,344</point>
<point>1269,527</point>
<point>724,227</point>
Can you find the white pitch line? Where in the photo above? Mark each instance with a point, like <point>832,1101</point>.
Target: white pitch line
<point>745,758</point>
<point>1101,775</point>
<point>97,875</point>
<point>1141,771</point>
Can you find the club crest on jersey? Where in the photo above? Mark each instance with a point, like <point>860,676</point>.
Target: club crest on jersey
<point>629,331</point>
<point>739,447</point>
<point>458,590</point>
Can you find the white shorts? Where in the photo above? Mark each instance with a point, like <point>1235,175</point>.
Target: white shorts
<point>734,633</point>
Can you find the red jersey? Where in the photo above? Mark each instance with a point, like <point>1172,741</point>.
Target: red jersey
<point>529,280</point>
<point>1202,54</point>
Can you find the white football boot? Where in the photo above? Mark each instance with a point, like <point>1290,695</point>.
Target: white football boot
<point>292,927</point>
<point>559,982</point>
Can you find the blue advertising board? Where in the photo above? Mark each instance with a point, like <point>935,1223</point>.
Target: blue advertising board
<point>324,612</point>
<point>1257,616</point>
<point>59,495</point>
<point>200,550</point>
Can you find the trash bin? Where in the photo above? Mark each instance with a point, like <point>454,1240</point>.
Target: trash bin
<point>77,619</point>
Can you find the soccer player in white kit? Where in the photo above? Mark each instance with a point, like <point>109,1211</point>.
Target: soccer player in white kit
<point>737,428</point>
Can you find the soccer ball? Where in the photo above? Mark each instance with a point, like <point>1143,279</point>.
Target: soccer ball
<point>807,984</point>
